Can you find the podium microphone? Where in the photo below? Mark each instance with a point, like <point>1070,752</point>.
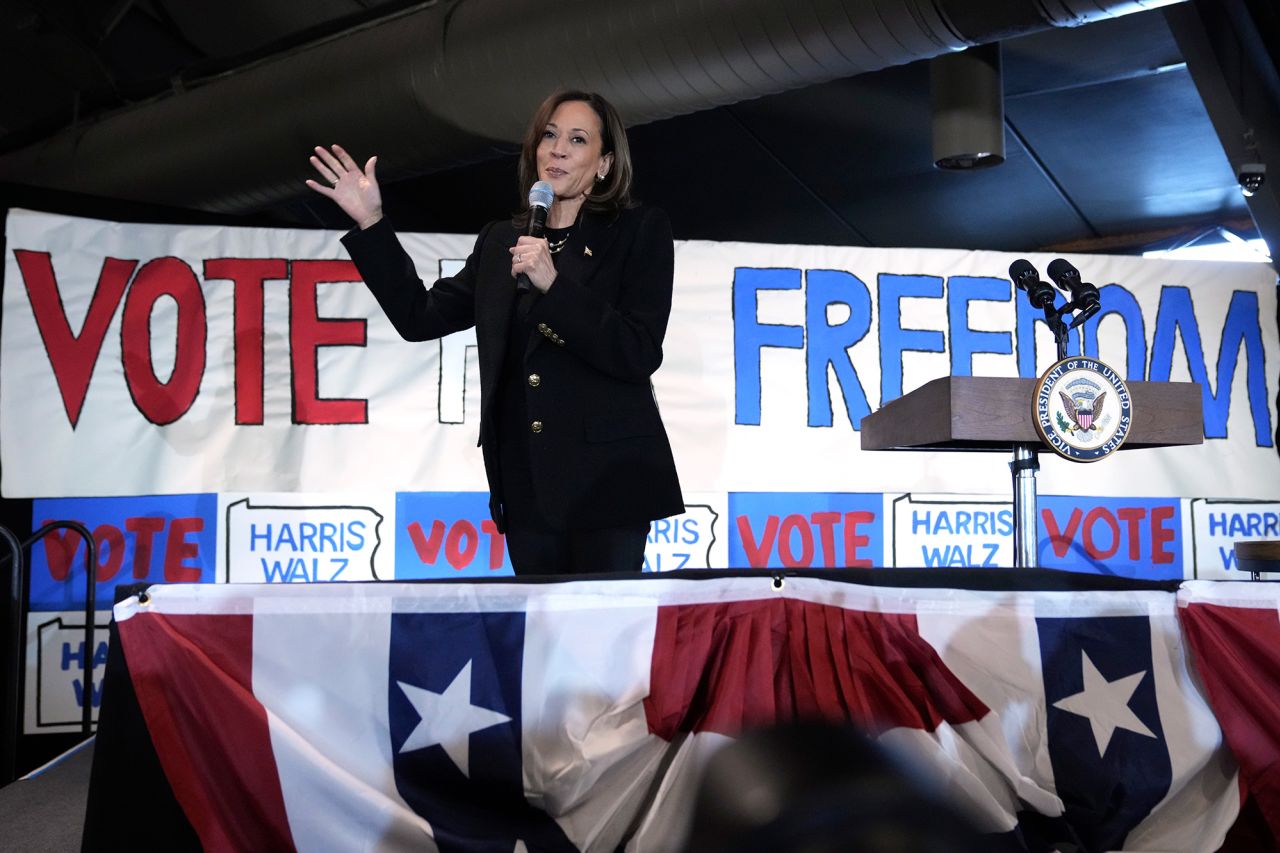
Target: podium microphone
<point>1025,277</point>
<point>541,195</point>
<point>1084,296</point>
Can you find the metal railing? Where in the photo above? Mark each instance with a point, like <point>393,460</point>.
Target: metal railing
<point>11,714</point>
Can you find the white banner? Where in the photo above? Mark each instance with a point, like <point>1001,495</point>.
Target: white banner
<point>55,670</point>
<point>151,359</point>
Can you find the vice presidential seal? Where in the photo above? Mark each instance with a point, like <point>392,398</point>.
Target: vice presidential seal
<point>1083,409</point>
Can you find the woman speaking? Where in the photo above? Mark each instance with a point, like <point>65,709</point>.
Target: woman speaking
<point>569,328</point>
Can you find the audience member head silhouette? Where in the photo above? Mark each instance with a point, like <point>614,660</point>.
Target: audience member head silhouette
<point>821,789</point>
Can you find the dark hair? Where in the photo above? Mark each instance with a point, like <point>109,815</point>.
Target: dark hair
<point>608,196</point>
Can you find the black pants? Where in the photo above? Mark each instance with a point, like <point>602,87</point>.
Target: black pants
<point>537,551</point>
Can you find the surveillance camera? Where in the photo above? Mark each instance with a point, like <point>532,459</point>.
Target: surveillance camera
<point>1251,177</point>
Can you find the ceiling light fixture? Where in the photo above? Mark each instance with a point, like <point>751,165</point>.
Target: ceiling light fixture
<point>967,97</point>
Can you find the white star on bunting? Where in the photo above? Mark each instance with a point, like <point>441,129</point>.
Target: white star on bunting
<point>448,719</point>
<point>1105,704</point>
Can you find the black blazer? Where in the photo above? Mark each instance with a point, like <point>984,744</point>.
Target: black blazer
<point>598,451</point>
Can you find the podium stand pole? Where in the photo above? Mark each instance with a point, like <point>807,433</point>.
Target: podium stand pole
<point>1024,467</point>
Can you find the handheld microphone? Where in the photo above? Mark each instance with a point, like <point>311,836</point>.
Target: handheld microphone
<point>1083,294</point>
<point>541,195</point>
<point>1025,277</point>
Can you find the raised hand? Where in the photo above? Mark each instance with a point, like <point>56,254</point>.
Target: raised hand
<point>355,190</point>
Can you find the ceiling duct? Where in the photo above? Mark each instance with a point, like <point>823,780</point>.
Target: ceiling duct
<point>448,83</point>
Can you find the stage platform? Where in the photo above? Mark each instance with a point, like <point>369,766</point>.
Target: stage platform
<point>576,714</point>
<point>43,812</point>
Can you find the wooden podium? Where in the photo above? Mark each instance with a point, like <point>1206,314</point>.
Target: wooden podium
<point>996,414</point>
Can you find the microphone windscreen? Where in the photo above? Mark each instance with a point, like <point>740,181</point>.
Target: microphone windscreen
<point>541,195</point>
<point>1060,268</point>
<point>1020,269</point>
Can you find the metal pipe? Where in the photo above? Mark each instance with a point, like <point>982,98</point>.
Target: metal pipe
<point>443,85</point>
<point>12,664</point>
<point>10,718</point>
<point>1024,467</point>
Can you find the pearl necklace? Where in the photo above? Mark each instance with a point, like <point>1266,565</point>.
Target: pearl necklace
<point>558,244</point>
